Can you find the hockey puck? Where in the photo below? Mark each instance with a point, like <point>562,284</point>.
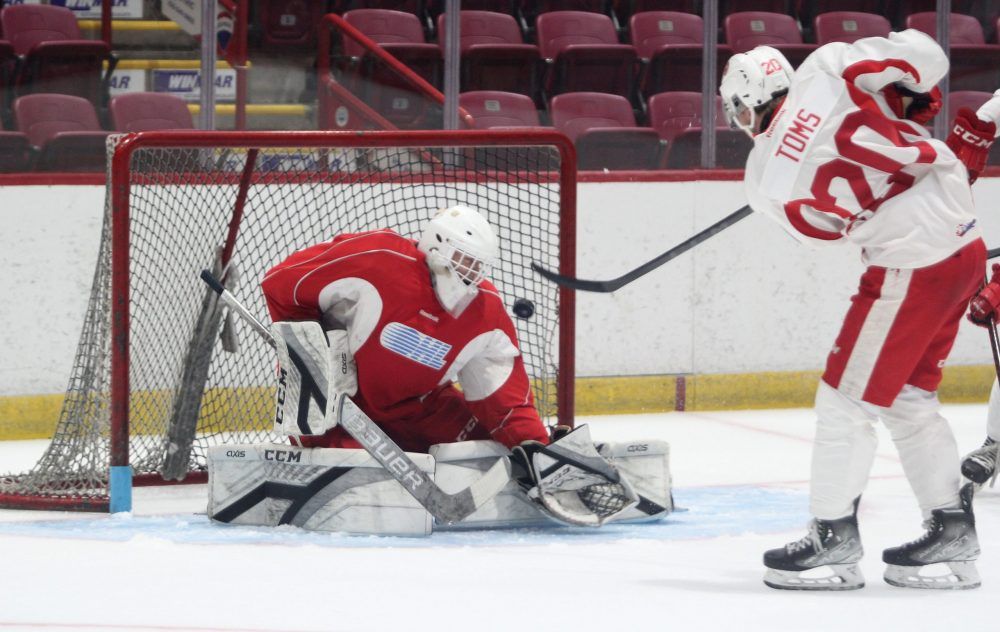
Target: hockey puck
<point>523,308</point>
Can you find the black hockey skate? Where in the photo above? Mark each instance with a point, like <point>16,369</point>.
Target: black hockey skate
<point>950,541</point>
<point>980,465</point>
<point>826,559</point>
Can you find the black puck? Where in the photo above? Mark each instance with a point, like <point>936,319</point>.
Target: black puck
<point>523,308</point>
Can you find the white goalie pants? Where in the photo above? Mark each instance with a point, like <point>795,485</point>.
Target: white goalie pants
<point>844,449</point>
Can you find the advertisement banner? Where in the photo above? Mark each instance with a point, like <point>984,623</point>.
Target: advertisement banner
<point>187,83</point>
<point>91,9</point>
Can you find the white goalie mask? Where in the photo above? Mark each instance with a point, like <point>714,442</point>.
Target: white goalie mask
<point>461,248</point>
<point>750,82</point>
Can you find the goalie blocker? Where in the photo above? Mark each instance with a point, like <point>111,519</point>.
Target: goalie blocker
<point>331,489</point>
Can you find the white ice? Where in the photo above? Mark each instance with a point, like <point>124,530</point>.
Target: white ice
<point>741,475</point>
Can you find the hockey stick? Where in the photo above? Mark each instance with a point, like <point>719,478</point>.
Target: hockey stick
<point>446,507</point>
<point>614,284</point>
<point>993,252</point>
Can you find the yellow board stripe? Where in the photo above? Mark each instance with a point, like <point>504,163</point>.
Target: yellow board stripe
<point>257,109</point>
<point>168,64</point>
<point>35,416</point>
<point>131,25</point>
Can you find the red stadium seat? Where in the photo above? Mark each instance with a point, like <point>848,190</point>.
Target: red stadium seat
<point>290,22</point>
<point>65,131</point>
<point>585,55</point>
<point>670,113</point>
<point>898,10</point>
<point>731,149</point>
<point>964,30</point>
<point>848,26</point>
<point>145,111</point>
<point>494,56</point>
<point>650,30</point>
<point>678,67</point>
<point>491,108</point>
<point>727,7</point>
<point>975,65</point>
<point>625,9</point>
<point>748,29</point>
<point>55,57</point>
<point>602,126</point>
<point>402,36</point>
<point>15,151</point>
<point>808,10</point>
<point>529,10</point>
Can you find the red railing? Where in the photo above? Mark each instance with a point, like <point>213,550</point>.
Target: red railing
<point>333,94</point>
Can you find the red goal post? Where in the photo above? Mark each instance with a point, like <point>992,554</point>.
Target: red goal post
<point>153,387</point>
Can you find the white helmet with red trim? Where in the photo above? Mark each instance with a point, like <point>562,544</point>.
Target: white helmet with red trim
<point>750,82</point>
<point>461,247</point>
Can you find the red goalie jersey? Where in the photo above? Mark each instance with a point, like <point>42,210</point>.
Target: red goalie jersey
<point>409,350</point>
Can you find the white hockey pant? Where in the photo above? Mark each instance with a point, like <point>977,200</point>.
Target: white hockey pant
<point>845,443</point>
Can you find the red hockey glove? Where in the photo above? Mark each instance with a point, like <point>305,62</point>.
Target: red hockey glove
<point>983,306</point>
<point>971,139</point>
<point>919,107</point>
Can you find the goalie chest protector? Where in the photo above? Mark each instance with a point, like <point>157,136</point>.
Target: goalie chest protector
<point>319,489</point>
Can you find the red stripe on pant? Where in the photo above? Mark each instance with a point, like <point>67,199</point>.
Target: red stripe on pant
<point>918,340</point>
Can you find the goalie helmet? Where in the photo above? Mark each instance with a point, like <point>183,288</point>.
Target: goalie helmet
<point>461,248</point>
<point>750,82</point>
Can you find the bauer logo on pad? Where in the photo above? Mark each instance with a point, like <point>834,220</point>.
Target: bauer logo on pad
<point>410,343</point>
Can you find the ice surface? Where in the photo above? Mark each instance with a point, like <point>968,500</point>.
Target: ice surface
<point>740,476</point>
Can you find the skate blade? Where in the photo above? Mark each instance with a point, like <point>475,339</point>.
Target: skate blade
<point>941,576</point>
<point>829,577</point>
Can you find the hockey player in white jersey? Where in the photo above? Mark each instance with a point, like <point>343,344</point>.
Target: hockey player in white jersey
<point>841,155</point>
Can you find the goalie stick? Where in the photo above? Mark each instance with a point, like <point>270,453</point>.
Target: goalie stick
<point>615,284</point>
<point>448,508</point>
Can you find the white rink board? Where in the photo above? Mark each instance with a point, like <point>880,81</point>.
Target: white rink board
<point>750,299</point>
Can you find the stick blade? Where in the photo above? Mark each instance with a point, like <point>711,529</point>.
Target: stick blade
<point>574,283</point>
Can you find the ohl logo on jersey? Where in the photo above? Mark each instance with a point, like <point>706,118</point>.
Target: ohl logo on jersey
<point>412,344</point>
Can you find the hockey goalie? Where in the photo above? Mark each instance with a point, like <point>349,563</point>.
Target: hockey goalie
<point>390,325</point>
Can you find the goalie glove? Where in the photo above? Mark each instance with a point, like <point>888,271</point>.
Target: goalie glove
<point>983,306</point>
<point>314,370</point>
<point>571,482</point>
<point>971,138</point>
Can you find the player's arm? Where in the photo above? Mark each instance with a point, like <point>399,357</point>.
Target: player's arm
<point>497,389</point>
<point>910,58</point>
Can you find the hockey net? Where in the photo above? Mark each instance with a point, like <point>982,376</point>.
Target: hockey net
<point>162,373</point>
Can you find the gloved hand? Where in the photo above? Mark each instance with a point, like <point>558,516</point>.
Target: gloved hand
<point>971,139</point>
<point>983,306</point>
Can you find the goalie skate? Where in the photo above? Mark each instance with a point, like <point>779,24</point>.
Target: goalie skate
<point>944,557</point>
<point>825,559</point>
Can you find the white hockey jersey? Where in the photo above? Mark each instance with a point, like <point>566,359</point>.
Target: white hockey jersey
<point>836,165</point>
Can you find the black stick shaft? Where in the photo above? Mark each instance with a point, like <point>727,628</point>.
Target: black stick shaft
<point>649,266</point>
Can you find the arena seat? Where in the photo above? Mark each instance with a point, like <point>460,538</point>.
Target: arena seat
<point>494,55</point>
<point>15,151</point>
<point>848,26</point>
<point>493,108</point>
<point>678,67</point>
<point>145,111</point>
<point>64,129</point>
<point>584,55</point>
<point>625,9</point>
<point>670,113</point>
<point>731,149</point>
<point>290,23</point>
<point>975,65</point>
<point>649,30</point>
<point>808,10</point>
<point>603,128</point>
<point>402,36</point>
<point>54,56</point>
<point>727,7</point>
<point>747,29</point>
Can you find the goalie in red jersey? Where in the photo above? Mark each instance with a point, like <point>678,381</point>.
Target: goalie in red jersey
<point>393,324</point>
<point>415,317</point>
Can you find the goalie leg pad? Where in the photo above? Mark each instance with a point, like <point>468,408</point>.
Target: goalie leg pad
<point>317,489</point>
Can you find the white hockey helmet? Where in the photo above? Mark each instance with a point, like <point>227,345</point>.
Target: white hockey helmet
<point>750,82</point>
<point>461,247</point>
